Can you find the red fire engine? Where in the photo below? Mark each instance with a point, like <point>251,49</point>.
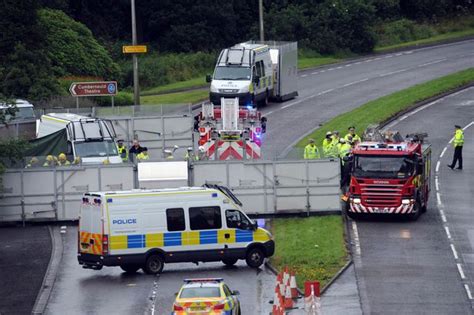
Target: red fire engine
<point>230,132</point>
<point>389,176</point>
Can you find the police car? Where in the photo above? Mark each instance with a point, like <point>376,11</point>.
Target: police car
<point>206,296</point>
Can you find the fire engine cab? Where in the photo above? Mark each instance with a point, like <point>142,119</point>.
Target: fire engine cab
<point>389,176</point>
<point>230,132</point>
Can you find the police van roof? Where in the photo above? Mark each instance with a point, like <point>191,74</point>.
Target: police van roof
<point>150,191</point>
<point>66,116</point>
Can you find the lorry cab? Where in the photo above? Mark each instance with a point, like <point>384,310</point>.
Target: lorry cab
<point>91,139</point>
<point>244,71</point>
<point>148,228</point>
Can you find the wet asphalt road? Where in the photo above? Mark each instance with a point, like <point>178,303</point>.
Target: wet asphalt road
<point>324,93</point>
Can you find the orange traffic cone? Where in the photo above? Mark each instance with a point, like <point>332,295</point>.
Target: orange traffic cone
<point>276,310</point>
<point>293,287</point>
<point>288,300</point>
<point>282,286</point>
<point>282,305</point>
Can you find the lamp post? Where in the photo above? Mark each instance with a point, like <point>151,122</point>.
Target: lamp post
<point>136,89</point>
<point>260,11</point>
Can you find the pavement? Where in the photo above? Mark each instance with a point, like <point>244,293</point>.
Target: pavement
<point>25,254</point>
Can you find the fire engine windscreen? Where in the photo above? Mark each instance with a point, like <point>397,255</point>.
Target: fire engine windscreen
<point>383,166</point>
<point>232,73</point>
<point>95,148</point>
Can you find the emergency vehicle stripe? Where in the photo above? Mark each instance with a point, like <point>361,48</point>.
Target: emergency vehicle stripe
<point>173,239</point>
<point>243,236</point>
<point>136,241</point>
<point>208,237</point>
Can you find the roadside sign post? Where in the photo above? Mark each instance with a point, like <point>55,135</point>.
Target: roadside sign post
<point>102,88</point>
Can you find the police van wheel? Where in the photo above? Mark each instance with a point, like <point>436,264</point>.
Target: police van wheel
<point>154,264</point>
<point>130,268</point>
<point>255,257</point>
<point>229,261</point>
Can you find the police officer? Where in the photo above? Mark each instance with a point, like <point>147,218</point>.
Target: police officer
<point>458,144</point>
<point>143,156</point>
<point>352,134</point>
<point>122,150</point>
<point>343,148</point>
<point>50,161</point>
<point>327,144</point>
<point>311,151</point>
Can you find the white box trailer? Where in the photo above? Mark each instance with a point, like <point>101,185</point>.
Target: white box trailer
<point>91,139</point>
<point>148,228</point>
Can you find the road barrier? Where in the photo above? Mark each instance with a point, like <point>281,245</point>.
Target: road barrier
<point>286,292</point>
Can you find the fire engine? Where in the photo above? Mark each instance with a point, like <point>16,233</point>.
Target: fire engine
<point>230,132</point>
<point>389,175</point>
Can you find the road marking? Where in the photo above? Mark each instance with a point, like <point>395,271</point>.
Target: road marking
<point>325,92</point>
<point>437,166</point>
<point>455,253</point>
<point>394,72</point>
<point>443,217</point>
<point>348,65</point>
<point>432,62</point>
<point>436,183</point>
<point>468,291</point>
<point>269,113</point>
<point>377,58</point>
<point>399,54</point>
<point>355,82</point>
<point>330,69</point>
<point>314,72</point>
<point>304,75</point>
<point>389,56</point>
<point>438,198</point>
<point>447,232</point>
<point>442,152</point>
<point>461,272</point>
<point>358,63</point>
<point>356,238</point>
<point>339,68</point>
<point>469,125</point>
<point>322,71</point>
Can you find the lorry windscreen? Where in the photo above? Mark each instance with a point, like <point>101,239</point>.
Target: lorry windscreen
<point>95,148</point>
<point>383,166</point>
<point>232,73</point>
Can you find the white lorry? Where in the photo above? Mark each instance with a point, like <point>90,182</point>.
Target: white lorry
<point>255,72</point>
<point>148,228</point>
<point>91,139</point>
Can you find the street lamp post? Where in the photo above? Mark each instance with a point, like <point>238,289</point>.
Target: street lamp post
<point>136,89</point>
<point>260,10</point>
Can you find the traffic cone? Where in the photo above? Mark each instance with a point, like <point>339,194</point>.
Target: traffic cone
<point>282,285</point>
<point>276,310</point>
<point>282,305</point>
<point>293,287</point>
<point>288,300</point>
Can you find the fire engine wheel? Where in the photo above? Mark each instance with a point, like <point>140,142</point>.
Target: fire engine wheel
<point>415,214</point>
<point>130,268</point>
<point>255,257</point>
<point>154,264</point>
<point>229,261</point>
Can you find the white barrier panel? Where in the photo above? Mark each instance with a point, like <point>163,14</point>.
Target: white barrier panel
<point>44,193</point>
<point>276,186</point>
<point>167,174</point>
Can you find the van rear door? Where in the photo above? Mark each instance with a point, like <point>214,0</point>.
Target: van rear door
<point>90,225</point>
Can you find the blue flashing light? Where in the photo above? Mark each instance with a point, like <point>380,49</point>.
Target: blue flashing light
<point>109,200</point>
<point>214,195</point>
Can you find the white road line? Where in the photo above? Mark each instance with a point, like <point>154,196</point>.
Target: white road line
<point>447,232</point>
<point>389,56</point>
<point>377,58</point>
<point>400,54</point>
<point>443,217</point>
<point>468,291</point>
<point>314,72</point>
<point>461,272</point>
<point>469,125</point>
<point>304,75</point>
<point>394,72</point>
<point>438,199</point>
<point>451,141</point>
<point>269,113</point>
<point>355,82</point>
<point>356,238</point>
<point>348,65</point>
<point>437,167</point>
<point>288,105</point>
<point>330,69</point>
<point>455,253</point>
<point>339,68</point>
<point>443,152</point>
<point>358,63</point>
<point>436,183</point>
<point>322,71</point>
<point>432,62</point>
<point>403,118</point>
<point>325,92</point>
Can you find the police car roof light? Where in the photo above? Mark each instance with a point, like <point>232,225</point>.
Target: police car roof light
<point>203,280</point>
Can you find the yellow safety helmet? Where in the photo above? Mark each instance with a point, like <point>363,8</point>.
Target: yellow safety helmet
<point>62,156</point>
<point>50,158</point>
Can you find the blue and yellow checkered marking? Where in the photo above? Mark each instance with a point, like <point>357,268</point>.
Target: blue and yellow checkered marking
<point>186,238</point>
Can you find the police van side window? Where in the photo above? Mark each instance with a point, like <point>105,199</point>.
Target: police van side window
<point>175,219</point>
<point>205,218</point>
<point>236,220</point>
<point>260,69</point>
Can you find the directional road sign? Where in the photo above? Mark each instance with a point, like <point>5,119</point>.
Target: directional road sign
<point>105,88</point>
<point>136,49</point>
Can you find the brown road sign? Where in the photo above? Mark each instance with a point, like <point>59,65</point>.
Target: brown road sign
<point>105,88</point>
<point>136,49</point>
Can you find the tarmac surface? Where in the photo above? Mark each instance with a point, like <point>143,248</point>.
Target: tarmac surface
<point>24,258</point>
<point>394,273</point>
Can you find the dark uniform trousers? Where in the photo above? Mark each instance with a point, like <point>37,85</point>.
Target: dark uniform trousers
<point>457,157</point>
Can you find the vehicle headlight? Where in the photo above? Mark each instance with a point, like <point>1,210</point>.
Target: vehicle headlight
<point>406,201</point>
<point>213,89</point>
<point>356,200</point>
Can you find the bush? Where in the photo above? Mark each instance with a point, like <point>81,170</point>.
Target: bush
<point>401,31</point>
<point>121,99</point>
<point>155,69</point>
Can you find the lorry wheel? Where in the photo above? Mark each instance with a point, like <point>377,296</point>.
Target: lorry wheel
<point>229,261</point>
<point>154,264</point>
<point>255,257</point>
<point>130,268</point>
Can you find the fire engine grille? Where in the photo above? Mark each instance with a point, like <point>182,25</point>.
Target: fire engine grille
<point>377,195</point>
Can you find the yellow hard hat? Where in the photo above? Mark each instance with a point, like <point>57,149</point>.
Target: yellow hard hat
<point>62,156</point>
<point>50,158</point>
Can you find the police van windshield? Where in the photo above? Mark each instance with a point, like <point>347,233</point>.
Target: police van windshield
<point>232,73</point>
<point>383,166</point>
<point>95,148</point>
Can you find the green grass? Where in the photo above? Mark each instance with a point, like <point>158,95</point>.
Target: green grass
<point>432,40</point>
<point>177,86</point>
<point>187,97</point>
<point>312,247</point>
<point>381,109</point>
<point>311,62</point>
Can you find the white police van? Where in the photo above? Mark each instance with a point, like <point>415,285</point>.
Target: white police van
<point>148,228</point>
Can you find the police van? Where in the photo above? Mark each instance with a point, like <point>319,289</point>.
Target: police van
<point>148,228</point>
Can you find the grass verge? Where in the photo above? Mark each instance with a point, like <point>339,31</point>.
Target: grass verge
<point>311,62</point>
<point>431,40</point>
<point>313,247</point>
<point>177,86</point>
<point>381,109</point>
<point>187,97</point>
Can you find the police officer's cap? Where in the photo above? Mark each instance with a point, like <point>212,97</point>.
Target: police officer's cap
<point>329,133</point>
<point>457,126</point>
<point>120,140</point>
<point>311,140</point>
